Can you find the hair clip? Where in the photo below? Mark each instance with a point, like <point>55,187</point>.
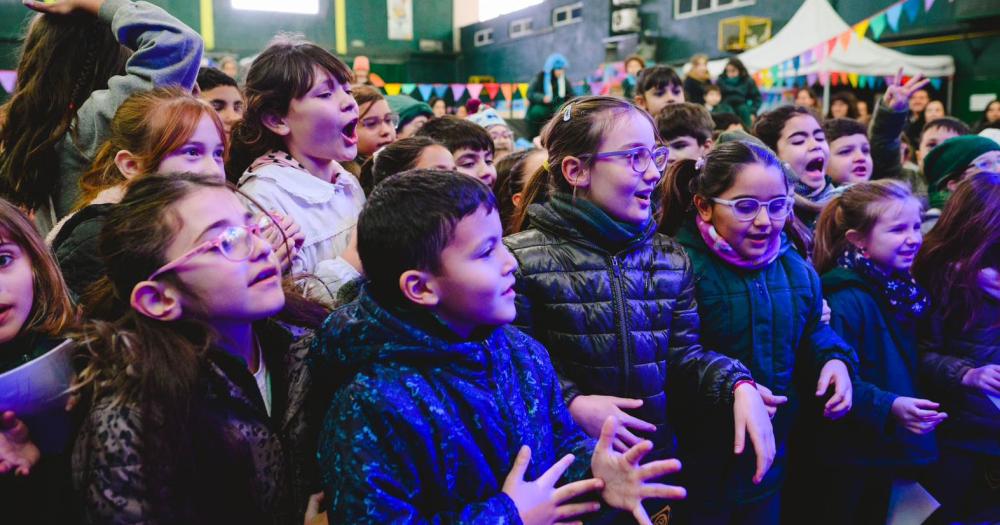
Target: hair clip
<point>545,165</point>
<point>700,163</point>
<point>568,112</point>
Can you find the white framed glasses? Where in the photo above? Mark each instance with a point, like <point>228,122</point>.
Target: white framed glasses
<point>747,208</point>
<point>638,157</point>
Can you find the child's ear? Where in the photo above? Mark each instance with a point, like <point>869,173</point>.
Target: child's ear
<point>575,172</point>
<point>641,102</point>
<point>703,207</point>
<point>516,199</point>
<point>707,146</point>
<point>276,124</point>
<point>156,300</point>
<point>952,185</point>
<point>127,164</point>
<point>854,237</point>
<point>419,288</point>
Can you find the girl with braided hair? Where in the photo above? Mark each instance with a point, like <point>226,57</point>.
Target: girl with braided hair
<point>80,60</point>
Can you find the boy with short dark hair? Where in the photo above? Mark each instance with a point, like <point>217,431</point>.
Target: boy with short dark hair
<point>223,94</point>
<point>686,130</point>
<point>442,408</point>
<point>713,97</point>
<point>938,131</point>
<point>850,151</point>
<point>657,87</point>
<point>470,144</point>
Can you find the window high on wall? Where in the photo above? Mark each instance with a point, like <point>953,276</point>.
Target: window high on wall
<point>301,7</point>
<point>689,8</point>
<point>493,8</point>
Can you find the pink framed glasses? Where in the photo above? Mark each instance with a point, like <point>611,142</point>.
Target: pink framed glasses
<point>234,243</point>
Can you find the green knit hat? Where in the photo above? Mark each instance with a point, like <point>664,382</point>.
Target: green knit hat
<point>953,156</point>
<point>408,108</point>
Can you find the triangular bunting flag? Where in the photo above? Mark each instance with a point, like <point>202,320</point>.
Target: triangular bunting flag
<point>457,90</point>
<point>796,62</point>
<point>861,28</point>
<point>824,77</point>
<point>492,89</point>
<point>936,83</point>
<point>392,89</point>
<point>425,91</point>
<point>508,91</point>
<point>878,25</point>
<point>807,58</point>
<point>812,78</point>
<point>912,9</point>
<point>522,88</point>
<point>831,45</point>
<point>844,79</point>
<point>774,72</point>
<point>596,87</point>
<point>819,52</point>
<point>406,89</point>
<point>892,16</point>
<point>928,4</point>
<point>440,90</point>
<point>853,79</point>
<point>8,79</point>
<point>474,90</point>
<point>845,39</point>
<point>834,79</point>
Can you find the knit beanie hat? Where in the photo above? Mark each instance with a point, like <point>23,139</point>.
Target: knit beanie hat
<point>408,108</point>
<point>953,156</point>
<point>488,117</point>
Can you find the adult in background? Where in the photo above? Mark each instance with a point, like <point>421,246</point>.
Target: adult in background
<point>697,79</point>
<point>633,66</point>
<point>739,92</point>
<point>547,92</point>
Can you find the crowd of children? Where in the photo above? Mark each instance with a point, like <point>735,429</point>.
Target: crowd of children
<point>299,300</point>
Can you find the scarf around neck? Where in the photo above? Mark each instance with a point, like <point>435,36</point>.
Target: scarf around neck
<point>906,298</point>
<point>727,253</point>
<point>596,225</point>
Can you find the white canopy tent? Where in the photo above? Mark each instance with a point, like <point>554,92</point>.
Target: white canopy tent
<point>815,23</point>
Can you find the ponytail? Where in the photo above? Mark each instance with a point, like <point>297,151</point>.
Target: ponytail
<point>535,190</point>
<point>831,236</point>
<point>678,194</point>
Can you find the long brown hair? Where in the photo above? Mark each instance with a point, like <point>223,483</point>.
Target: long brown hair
<point>281,73</point>
<point>63,60</point>
<point>52,313</point>
<point>858,208</point>
<point>150,125</point>
<point>136,360</point>
<point>965,240</point>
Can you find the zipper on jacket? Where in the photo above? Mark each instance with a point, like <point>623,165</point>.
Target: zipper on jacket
<point>618,302</point>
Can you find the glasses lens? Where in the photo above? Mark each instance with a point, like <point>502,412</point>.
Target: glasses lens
<point>392,120</point>
<point>235,244</point>
<point>640,159</point>
<point>660,157</point>
<point>746,208</point>
<point>778,208</point>
<point>370,122</point>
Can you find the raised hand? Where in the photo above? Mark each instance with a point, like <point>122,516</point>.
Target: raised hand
<point>751,416</point>
<point>17,452</point>
<point>897,97</point>
<point>65,7</point>
<point>590,412</point>
<point>834,374</point>
<point>919,416</point>
<point>985,378</point>
<point>539,502</point>
<point>625,481</point>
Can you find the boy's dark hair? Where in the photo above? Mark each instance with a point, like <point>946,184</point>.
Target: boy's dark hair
<point>685,119</point>
<point>210,78</point>
<point>949,123</point>
<point>726,119</point>
<point>836,128</point>
<point>409,219</point>
<point>392,159</point>
<point>712,87</point>
<point>456,133</point>
<point>657,77</point>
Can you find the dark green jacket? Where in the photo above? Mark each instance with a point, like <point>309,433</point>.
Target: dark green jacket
<point>887,350</point>
<point>770,320</point>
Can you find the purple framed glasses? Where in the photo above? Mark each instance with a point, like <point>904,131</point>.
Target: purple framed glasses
<point>234,243</point>
<point>638,157</point>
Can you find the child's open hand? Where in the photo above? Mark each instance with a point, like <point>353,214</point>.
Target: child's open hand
<point>65,7</point>
<point>590,412</point>
<point>286,245</point>
<point>834,373</point>
<point>919,416</point>
<point>897,96</point>
<point>752,417</point>
<point>17,452</point>
<point>540,502</point>
<point>625,481</point>
<point>985,378</point>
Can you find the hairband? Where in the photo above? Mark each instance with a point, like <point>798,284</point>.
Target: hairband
<point>700,163</point>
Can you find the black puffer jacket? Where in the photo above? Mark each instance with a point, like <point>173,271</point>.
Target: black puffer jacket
<point>618,320</point>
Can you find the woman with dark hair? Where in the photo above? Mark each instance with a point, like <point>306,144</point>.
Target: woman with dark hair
<point>843,104</point>
<point>961,349</point>
<point>739,92</point>
<point>991,115</point>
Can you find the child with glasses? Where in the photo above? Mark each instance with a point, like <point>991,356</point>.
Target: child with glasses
<point>611,299</point>
<point>500,132</point>
<point>193,397</point>
<point>760,302</point>
<point>376,123</point>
